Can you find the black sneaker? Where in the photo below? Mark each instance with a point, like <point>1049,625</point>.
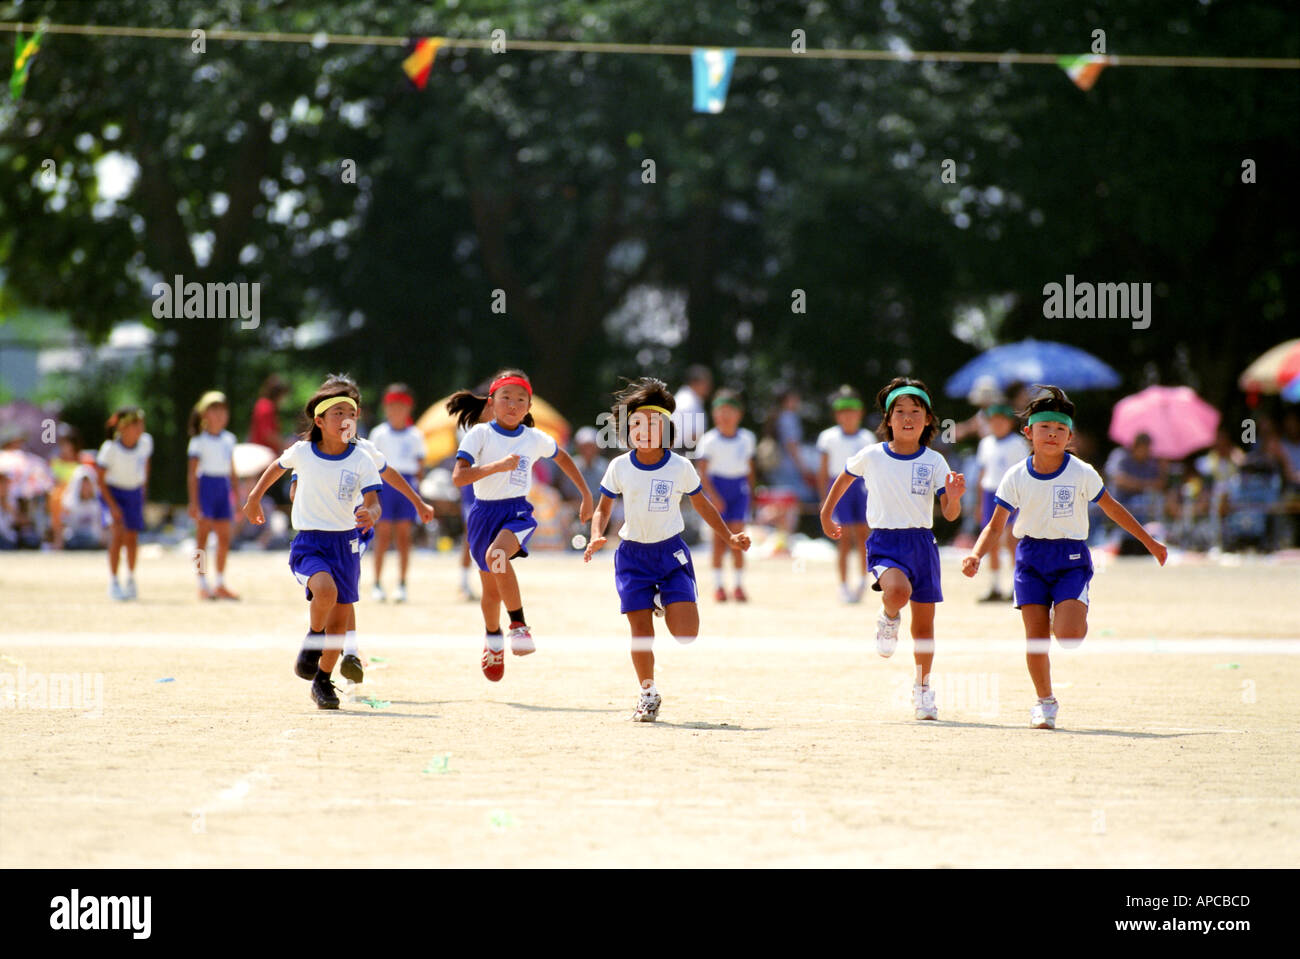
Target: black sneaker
<point>322,693</point>
<point>351,668</point>
<point>308,661</point>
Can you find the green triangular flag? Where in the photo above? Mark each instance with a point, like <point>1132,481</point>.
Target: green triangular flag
<point>24,53</point>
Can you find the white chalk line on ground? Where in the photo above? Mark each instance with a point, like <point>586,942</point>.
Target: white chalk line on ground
<point>373,642</point>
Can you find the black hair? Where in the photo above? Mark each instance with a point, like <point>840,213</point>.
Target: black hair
<point>1051,400</point>
<point>124,416</point>
<point>845,392</point>
<point>273,387</point>
<point>724,397</point>
<point>467,406</point>
<point>398,388</point>
<point>195,422</point>
<point>884,430</point>
<point>644,391</point>
<point>336,384</point>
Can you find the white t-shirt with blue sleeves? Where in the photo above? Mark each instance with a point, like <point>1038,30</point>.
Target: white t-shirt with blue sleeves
<point>125,467</point>
<point>404,449</point>
<point>728,456</point>
<point>1052,505</point>
<point>489,442</point>
<point>995,456</point>
<point>900,489</point>
<point>651,494</point>
<point>214,451</point>
<point>328,485</point>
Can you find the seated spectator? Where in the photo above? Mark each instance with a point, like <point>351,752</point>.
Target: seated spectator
<point>8,515</point>
<point>81,518</point>
<point>1136,479</point>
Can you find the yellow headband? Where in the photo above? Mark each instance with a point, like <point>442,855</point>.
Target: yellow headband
<point>210,398</point>
<point>652,409</point>
<point>323,405</point>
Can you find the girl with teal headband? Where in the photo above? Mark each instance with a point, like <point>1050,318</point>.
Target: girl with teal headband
<point>997,452</point>
<point>1052,489</point>
<point>725,461</point>
<point>903,476</point>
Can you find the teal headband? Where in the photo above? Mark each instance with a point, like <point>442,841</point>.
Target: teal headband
<point>1051,416</point>
<point>847,403</point>
<point>1001,409</point>
<point>907,391</point>
<point>725,401</point>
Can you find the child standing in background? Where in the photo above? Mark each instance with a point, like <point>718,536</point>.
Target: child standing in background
<point>123,468</point>
<point>402,445</point>
<point>837,444</point>
<point>725,462</point>
<point>1000,450</point>
<point>903,476</point>
<point>652,566</point>
<point>211,480</point>
<point>497,457</point>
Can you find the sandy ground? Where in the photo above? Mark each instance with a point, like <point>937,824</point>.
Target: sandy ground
<point>784,739</point>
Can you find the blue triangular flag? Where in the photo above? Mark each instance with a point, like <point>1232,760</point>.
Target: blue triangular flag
<point>712,77</point>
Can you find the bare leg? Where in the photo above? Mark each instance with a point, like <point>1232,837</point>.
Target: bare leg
<point>1038,629</point>
<point>132,541</point>
<point>923,640</point>
<point>222,527</point>
<point>896,591</point>
<point>335,626</point>
<point>842,550</point>
<point>403,549</point>
<point>1071,622</point>
<point>683,620</point>
<point>324,597</point>
<point>115,538</point>
<point>499,552</point>
<point>490,602</point>
<point>642,622</point>
<point>383,536</point>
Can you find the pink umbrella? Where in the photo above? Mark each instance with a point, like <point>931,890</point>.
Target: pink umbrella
<point>1178,421</point>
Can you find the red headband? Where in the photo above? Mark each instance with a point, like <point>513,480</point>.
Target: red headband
<point>396,397</point>
<point>510,381</point>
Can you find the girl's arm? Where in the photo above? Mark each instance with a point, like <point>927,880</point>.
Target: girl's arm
<point>599,519</point>
<point>253,505</point>
<point>1125,521</point>
<point>114,510</point>
<point>398,482</point>
<point>144,490</point>
<point>950,502</point>
<point>970,565</point>
<point>192,484</point>
<point>824,470</point>
<point>369,512</point>
<point>709,513</point>
<point>565,462</point>
<point>462,474</point>
<point>702,467</point>
<point>842,484</point>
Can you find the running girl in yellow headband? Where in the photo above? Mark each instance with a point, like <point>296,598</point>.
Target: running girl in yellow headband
<point>326,553</point>
<point>1052,489</point>
<point>497,458</point>
<point>652,565</point>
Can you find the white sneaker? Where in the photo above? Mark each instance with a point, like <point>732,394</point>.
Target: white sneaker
<point>887,634</point>
<point>115,591</point>
<point>401,593</point>
<point>923,700</point>
<point>1043,715</point>
<point>647,709</point>
<point>377,593</point>
<point>128,591</point>
<point>859,590</point>
<point>521,641</point>
<point>846,594</point>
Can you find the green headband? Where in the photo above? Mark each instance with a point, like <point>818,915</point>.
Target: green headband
<point>725,401</point>
<point>907,391</point>
<point>1001,409</point>
<point>846,403</point>
<point>1051,416</point>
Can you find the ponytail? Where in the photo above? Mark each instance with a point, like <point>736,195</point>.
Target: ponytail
<point>467,406</point>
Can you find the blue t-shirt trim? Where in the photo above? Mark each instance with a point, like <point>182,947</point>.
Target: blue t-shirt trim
<point>467,457</point>
<point>1004,504</point>
<point>641,466</point>
<point>333,456</point>
<point>903,456</point>
<point>372,489</point>
<point>696,490</point>
<point>1100,494</point>
<point>1029,464</point>
<point>517,431</point>
<point>611,495</point>
<point>849,472</point>
<point>940,491</point>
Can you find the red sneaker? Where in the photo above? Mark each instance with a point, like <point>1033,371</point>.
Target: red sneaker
<point>720,595</point>
<point>740,595</point>
<point>494,663</point>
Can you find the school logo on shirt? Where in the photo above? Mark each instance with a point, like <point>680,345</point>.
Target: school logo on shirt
<point>519,475</point>
<point>1062,501</point>
<point>922,475</point>
<point>347,486</point>
<point>660,491</point>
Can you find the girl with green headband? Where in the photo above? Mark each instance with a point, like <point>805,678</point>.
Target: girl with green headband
<point>1051,489</point>
<point>836,444</point>
<point>997,452</point>
<point>903,477</point>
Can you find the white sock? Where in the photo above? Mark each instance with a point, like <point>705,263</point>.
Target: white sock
<point>740,575</point>
<point>650,690</point>
<point>496,643</point>
<point>997,579</point>
<point>221,580</point>
<point>717,578</point>
<point>464,577</point>
<point>112,578</point>
<point>130,577</point>
<point>350,643</point>
<point>203,582</point>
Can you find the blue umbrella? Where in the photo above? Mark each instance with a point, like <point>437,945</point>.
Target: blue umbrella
<point>1035,361</point>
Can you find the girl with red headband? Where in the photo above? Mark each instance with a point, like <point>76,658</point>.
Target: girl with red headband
<point>402,445</point>
<point>497,457</point>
